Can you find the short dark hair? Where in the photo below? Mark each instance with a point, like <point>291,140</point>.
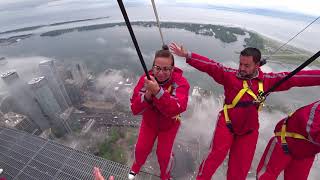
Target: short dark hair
<point>164,52</point>
<point>254,52</point>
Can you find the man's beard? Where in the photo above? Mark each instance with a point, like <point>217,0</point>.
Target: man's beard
<point>248,76</point>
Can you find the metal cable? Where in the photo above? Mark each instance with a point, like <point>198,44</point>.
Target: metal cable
<point>158,21</point>
<point>293,37</point>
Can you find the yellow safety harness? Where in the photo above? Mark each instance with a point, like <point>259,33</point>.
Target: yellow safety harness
<point>169,89</point>
<point>284,134</point>
<point>245,89</point>
<point>177,117</point>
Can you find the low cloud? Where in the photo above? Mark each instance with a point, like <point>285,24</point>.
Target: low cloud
<point>116,85</point>
<point>101,41</point>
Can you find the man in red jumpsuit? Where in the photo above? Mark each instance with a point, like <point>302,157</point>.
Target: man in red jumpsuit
<point>160,101</point>
<point>237,125</point>
<point>294,146</point>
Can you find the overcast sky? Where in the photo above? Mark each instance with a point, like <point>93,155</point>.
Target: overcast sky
<point>16,14</point>
<point>309,7</point>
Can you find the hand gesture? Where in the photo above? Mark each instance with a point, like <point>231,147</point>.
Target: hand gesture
<point>178,50</point>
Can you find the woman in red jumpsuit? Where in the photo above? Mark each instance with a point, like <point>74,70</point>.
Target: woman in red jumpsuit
<point>160,101</point>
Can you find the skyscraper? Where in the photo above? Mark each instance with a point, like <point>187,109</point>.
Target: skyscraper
<point>24,99</point>
<point>48,69</point>
<point>49,105</point>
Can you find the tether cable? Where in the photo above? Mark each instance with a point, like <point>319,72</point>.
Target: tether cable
<point>293,37</point>
<point>158,21</point>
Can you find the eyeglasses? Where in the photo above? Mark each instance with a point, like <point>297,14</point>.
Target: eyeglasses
<point>165,69</point>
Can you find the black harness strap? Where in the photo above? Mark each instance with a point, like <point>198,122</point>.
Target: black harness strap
<point>133,37</point>
<point>303,65</point>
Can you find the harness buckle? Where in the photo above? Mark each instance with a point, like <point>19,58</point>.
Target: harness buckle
<point>229,126</point>
<point>260,97</point>
<point>285,148</point>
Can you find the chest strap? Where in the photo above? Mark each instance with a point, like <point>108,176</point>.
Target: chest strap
<point>245,89</point>
<point>177,117</point>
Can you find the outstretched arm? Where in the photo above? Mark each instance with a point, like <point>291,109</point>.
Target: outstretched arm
<point>301,79</point>
<point>214,69</point>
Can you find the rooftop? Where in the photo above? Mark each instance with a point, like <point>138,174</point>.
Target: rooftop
<point>27,157</point>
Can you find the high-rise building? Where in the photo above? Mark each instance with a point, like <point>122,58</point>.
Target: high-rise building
<point>49,105</point>
<point>74,90</point>
<point>48,69</point>
<point>72,116</point>
<point>79,73</point>
<point>8,104</point>
<point>24,99</point>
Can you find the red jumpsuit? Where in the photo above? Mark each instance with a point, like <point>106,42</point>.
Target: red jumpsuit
<point>242,141</point>
<point>160,120</point>
<point>297,163</point>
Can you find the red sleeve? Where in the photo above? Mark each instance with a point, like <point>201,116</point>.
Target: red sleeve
<point>314,122</point>
<point>301,79</point>
<point>175,103</point>
<point>138,103</point>
<point>316,136</point>
<point>214,69</point>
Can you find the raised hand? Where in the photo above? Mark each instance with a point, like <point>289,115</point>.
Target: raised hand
<point>178,50</point>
